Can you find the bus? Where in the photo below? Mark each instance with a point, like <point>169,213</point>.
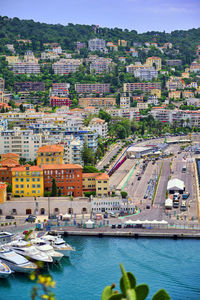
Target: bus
<point>184,169</point>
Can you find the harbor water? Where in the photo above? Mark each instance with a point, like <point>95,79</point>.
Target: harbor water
<point>161,263</point>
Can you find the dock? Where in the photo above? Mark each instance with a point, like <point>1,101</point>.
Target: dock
<point>130,233</point>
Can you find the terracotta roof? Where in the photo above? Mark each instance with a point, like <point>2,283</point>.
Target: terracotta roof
<point>102,176</point>
<point>9,163</point>
<point>9,155</point>
<point>88,175</point>
<point>61,166</point>
<point>77,109</point>
<point>3,169</point>
<point>51,148</point>
<point>23,168</point>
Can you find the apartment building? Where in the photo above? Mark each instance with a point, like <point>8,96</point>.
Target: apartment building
<point>173,62</point>
<point>174,84</point>
<point>142,105</point>
<point>29,86</point>
<point>12,59</point>
<point>97,45</point>
<point>154,61</point>
<point>146,74</point>
<point>72,151</point>
<point>101,65</point>
<point>96,182</point>
<point>97,102</point>
<point>27,181</point>
<point>11,47</point>
<point>68,178</point>
<point>156,92</point>
<point>133,67</point>
<point>22,142</point>
<point>125,102</point>
<point>57,49</point>
<point>100,126</point>
<point>174,95</point>
<point>188,94</point>
<point>92,88</point>
<point>50,154</point>
<point>142,86</point>
<point>50,55</point>
<point>66,66</point>
<point>60,101</point>
<point>130,113</point>
<point>26,68</point>
<point>80,45</point>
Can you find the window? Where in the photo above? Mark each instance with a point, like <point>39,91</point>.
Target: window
<point>33,191</point>
<point>38,185</point>
<point>33,185</point>
<point>17,186</point>
<point>33,179</point>
<point>22,179</point>
<point>21,186</point>
<point>27,179</point>
<point>99,189</point>
<point>38,191</point>
<point>105,189</point>
<point>38,179</point>
<point>16,179</point>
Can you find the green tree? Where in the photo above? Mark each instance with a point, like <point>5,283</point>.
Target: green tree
<point>87,155</point>
<point>124,194</point>
<point>90,169</point>
<point>54,188</point>
<point>59,192</point>
<point>104,116</point>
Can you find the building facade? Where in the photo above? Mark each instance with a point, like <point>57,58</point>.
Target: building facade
<point>68,178</point>
<point>27,181</point>
<point>97,102</point>
<point>50,154</point>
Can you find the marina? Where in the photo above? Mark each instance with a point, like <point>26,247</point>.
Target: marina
<point>161,263</point>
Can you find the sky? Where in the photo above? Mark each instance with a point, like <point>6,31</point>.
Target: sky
<point>140,15</point>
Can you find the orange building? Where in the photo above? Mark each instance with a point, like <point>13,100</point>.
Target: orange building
<point>52,154</point>
<point>7,162</point>
<point>3,192</point>
<point>68,178</point>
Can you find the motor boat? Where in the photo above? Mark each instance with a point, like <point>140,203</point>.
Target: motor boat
<point>41,245</point>
<point>5,271</point>
<point>16,262</point>
<point>24,248</point>
<point>58,244</point>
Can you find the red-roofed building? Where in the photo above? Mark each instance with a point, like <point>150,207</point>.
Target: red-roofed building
<point>68,178</point>
<point>50,154</point>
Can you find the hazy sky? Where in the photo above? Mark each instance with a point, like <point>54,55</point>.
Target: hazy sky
<point>141,15</point>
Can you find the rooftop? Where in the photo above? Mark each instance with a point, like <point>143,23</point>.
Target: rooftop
<point>51,148</point>
<point>61,166</point>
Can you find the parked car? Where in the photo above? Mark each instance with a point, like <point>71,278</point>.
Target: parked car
<point>112,215</point>
<point>139,177</point>
<point>31,218</point>
<point>10,217</point>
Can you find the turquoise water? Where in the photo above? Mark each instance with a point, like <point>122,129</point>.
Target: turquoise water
<point>161,263</point>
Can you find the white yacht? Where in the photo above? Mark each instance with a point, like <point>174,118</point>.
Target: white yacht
<point>41,245</point>
<point>25,249</point>
<point>58,244</point>
<point>5,271</point>
<point>16,262</point>
<point>5,237</point>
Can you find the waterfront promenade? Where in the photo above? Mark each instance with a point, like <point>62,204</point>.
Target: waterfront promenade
<point>174,233</point>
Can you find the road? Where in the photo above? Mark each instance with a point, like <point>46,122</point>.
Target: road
<point>106,159</point>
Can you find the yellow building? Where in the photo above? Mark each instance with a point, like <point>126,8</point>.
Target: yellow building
<point>174,95</point>
<point>52,154</point>
<point>12,59</point>
<point>3,192</point>
<point>102,185</point>
<point>151,61</point>
<point>156,92</point>
<point>96,182</point>
<point>122,43</point>
<point>27,181</point>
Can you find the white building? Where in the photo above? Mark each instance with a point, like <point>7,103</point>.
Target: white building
<point>100,126</point>
<point>65,66</point>
<point>22,142</point>
<point>97,45</point>
<point>146,74</point>
<point>111,205</point>
<point>125,102</point>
